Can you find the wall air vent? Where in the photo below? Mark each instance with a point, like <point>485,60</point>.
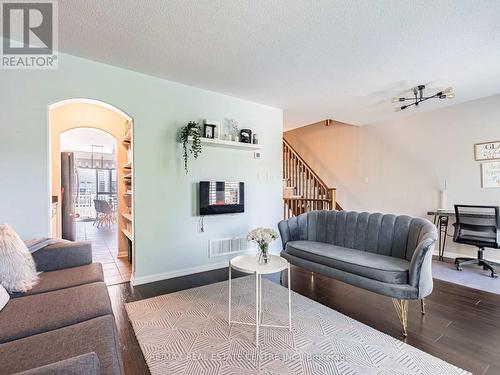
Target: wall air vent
<point>225,246</point>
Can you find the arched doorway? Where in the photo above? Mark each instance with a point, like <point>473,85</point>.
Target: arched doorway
<point>92,181</point>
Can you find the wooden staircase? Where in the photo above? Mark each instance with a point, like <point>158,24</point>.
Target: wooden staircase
<point>303,189</point>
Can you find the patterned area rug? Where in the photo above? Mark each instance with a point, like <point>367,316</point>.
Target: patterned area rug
<point>188,333</point>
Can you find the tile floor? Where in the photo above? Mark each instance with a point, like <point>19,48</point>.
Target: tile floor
<point>104,249</point>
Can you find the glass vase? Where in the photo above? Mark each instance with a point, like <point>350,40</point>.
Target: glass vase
<point>263,253</point>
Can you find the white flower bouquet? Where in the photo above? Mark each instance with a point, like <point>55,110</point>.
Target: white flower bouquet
<point>263,237</point>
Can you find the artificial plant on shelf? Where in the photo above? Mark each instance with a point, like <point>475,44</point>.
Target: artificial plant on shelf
<point>192,129</point>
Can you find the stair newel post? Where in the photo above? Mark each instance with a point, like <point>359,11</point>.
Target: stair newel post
<point>332,197</point>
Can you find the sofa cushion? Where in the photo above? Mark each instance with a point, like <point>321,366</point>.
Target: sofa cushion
<point>62,255</point>
<point>96,335</point>
<point>29,315</point>
<point>86,364</point>
<point>65,278</point>
<point>370,265</point>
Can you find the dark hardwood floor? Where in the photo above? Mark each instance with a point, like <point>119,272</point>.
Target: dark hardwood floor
<point>462,325</point>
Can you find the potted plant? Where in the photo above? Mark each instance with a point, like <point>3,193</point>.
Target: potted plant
<point>263,237</point>
<point>192,129</point>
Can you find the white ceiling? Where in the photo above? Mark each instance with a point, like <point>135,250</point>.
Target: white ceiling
<point>82,139</point>
<point>315,59</point>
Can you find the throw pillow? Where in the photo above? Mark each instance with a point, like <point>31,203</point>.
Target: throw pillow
<point>17,267</point>
<point>4,297</point>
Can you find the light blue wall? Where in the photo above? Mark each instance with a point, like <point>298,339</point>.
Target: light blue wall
<point>167,235</point>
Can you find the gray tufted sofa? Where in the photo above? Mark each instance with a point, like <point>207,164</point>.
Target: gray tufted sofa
<point>386,254</point>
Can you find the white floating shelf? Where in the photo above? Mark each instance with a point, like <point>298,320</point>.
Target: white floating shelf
<point>227,144</point>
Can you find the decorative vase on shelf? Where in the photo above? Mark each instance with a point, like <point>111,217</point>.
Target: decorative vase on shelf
<point>443,198</point>
<point>263,253</point>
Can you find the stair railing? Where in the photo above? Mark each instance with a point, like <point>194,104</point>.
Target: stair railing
<point>310,192</point>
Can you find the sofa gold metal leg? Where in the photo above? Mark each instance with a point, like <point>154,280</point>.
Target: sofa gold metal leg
<point>422,306</point>
<point>401,306</point>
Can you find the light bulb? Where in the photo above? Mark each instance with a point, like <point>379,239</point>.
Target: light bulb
<point>395,100</point>
<point>448,90</point>
<point>450,96</point>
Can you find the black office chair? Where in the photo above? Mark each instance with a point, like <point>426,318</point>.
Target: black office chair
<point>477,226</point>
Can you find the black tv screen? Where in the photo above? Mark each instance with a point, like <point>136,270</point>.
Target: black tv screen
<point>221,197</point>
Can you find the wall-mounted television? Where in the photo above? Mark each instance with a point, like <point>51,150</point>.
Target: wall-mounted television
<point>221,197</point>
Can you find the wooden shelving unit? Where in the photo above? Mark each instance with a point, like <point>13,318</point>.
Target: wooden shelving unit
<point>127,218</point>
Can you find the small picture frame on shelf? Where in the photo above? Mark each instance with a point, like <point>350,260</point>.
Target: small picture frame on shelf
<point>211,129</point>
<point>245,136</point>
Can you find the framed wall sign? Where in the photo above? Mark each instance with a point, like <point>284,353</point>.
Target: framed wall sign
<point>490,174</point>
<point>487,150</point>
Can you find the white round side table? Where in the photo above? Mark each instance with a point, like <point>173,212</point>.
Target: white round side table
<point>250,264</point>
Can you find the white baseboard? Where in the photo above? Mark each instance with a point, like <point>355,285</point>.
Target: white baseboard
<point>170,275</point>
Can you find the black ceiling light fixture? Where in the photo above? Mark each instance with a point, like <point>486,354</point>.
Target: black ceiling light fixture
<point>418,97</point>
